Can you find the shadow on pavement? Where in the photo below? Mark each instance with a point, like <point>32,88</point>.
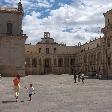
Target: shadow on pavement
<point>8,101</point>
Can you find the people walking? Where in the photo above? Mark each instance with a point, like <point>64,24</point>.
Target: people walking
<point>82,78</point>
<point>16,82</point>
<point>99,76</point>
<point>75,77</point>
<point>79,76</point>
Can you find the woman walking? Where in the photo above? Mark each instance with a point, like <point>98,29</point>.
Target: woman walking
<point>16,83</point>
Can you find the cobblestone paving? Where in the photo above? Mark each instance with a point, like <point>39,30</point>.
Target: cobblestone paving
<point>57,93</point>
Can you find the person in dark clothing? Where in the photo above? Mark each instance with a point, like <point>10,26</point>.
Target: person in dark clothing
<point>79,76</point>
<point>72,71</point>
<point>75,77</point>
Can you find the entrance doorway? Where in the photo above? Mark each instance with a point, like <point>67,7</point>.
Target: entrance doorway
<point>47,66</point>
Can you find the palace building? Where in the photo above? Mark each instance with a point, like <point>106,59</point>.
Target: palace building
<point>12,41</point>
<point>48,57</point>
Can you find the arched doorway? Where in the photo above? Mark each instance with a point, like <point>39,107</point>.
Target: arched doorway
<point>47,66</point>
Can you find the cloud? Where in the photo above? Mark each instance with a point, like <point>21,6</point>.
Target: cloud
<point>69,24</point>
<point>79,20</point>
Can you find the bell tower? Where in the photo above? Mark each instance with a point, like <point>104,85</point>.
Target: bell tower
<point>20,7</point>
<point>12,41</point>
<point>46,35</point>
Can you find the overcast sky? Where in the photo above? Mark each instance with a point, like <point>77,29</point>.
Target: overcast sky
<point>68,21</point>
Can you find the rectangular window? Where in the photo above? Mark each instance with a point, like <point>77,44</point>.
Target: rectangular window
<point>47,50</point>
<point>39,50</point>
<point>109,61</point>
<point>108,42</point>
<point>9,28</point>
<point>54,50</point>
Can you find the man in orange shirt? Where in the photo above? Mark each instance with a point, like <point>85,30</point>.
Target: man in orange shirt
<point>16,83</point>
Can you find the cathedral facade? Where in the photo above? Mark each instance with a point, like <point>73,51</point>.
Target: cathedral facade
<point>12,41</point>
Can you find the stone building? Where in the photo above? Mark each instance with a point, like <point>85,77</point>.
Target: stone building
<point>12,41</point>
<point>96,56</point>
<point>48,56</point>
<point>107,43</point>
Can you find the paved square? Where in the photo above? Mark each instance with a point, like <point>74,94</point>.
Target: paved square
<point>57,93</point>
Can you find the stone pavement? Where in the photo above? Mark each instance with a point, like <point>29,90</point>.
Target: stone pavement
<point>57,93</point>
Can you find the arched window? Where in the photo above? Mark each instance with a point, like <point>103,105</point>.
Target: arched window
<point>34,62</point>
<point>9,28</point>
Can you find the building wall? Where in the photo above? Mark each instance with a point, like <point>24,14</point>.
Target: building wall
<point>96,56</point>
<point>15,19</point>
<point>83,58</point>
<point>12,43</point>
<point>107,31</point>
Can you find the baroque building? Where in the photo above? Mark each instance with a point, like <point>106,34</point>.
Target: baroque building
<point>12,41</point>
<point>48,56</point>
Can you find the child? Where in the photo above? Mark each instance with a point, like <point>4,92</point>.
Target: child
<point>82,78</point>
<point>30,91</point>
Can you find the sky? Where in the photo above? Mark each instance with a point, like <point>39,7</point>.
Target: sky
<point>68,21</point>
